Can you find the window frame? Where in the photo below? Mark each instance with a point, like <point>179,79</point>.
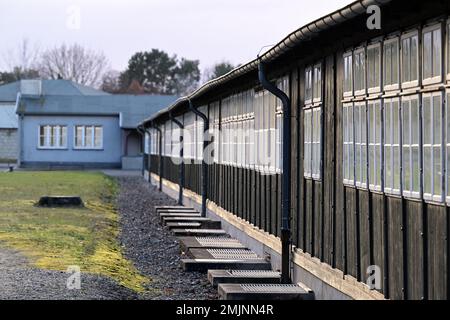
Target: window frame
<point>436,79</point>
<point>379,162</point>
<point>432,196</point>
<point>391,189</point>
<point>374,90</point>
<point>75,147</point>
<point>364,90</point>
<point>360,146</point>
<point>314,68</point>
<point>406,191</point>
<point>350,93</point>
<point>393,86</point>
<point>447,52</point>
<point>48,137</point>
<point>350,143</point>
<point>408,35</point>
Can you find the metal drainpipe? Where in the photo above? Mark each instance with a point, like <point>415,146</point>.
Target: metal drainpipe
<point>286,175</point>
<point>181,126</point>
<point>142,133</point>
<point>160,155</point>
<point>204,165</point>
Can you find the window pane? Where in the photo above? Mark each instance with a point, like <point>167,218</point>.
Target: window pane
<point>437,52</point>
<point>42,136</point>
<point>414,58</point>
<point>406,60</point>
<point>387,64</point>
<point>427,55</point>
<point>99,137</point>
<point>79,136</point>
<point>63,137</point>
<point>395,63</point>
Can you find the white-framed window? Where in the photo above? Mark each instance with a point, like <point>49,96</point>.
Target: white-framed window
<point>88,137</point>
<point>360,129</point>
<point>432,54</point>
<point>392,160</point>
<point>168,134</point>
<point>447,146</point>
<point>374,68</point>
<point>189,136</point>
<point>52,137</point>
<point>147,143</point>
<point>308,84</point>
<point>374,136</point>
<point>448,48</point>
<point>317,83</point>
<point>410,59</point>
<point>360,71</point>
<point>313,125</point>
<point>348,142</point>
<point>348,74</point>
<point>411,146</point>
<point>432,145</point>
<point>391,65</point>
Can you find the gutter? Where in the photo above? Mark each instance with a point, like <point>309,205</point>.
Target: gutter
<point>296,38</point>
<point>285,176</point>
<point>181,182</point>
<point>204,164</point>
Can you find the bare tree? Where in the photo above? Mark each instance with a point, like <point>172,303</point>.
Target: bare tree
<point>74,63</point>
<point>23,59</point>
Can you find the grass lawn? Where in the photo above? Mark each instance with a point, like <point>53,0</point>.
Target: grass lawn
<point>57,238</point>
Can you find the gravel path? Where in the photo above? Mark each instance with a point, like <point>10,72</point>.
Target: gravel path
<point>152,248</point>
<point>18,281</point>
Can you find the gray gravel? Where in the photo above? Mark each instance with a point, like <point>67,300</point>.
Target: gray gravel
<point>152,248</point>
<point>18,281</point>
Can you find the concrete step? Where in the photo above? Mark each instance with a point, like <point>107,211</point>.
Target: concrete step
<point>216,277</point>
<point>176,211</point>
<point>221,253</point>
<point>172,208</point>
<point>174,215</point>
<point>264,292</point>
<point>187,243</point>
<point>192,232</point>
<point>204,259</point>
<point>203,265</point>
<point>178,225</point>
<point>206,223</point>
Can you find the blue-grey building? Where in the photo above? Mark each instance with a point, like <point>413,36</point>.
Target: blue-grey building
<point>61,124</point>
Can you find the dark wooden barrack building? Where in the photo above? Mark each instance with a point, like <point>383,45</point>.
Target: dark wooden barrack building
<point>370,160</point>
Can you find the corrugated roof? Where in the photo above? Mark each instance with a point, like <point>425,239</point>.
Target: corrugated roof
<point>133,109</point>
<point>8,92</point>
<point>8,116</point>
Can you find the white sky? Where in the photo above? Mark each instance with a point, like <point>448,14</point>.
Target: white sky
<point>208,30</point>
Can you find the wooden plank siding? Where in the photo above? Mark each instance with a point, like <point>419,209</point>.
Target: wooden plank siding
<point>347,227</point>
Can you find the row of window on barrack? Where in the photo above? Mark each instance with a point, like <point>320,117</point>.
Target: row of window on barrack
<point>395,120</point>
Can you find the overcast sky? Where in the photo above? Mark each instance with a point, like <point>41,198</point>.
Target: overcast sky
<point>208,30</point>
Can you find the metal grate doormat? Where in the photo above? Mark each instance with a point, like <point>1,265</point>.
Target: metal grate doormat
<point>272,288</point>
<point>187,224</point>
<point>254,273</point>
<point>218,242</point>
<point>240,254</point>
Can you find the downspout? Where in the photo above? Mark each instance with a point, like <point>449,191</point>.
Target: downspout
<point>141,131</point>
<point>286,174</point>
<point>181,182</point>
<point>160,155</point>
<point>204,165</point>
